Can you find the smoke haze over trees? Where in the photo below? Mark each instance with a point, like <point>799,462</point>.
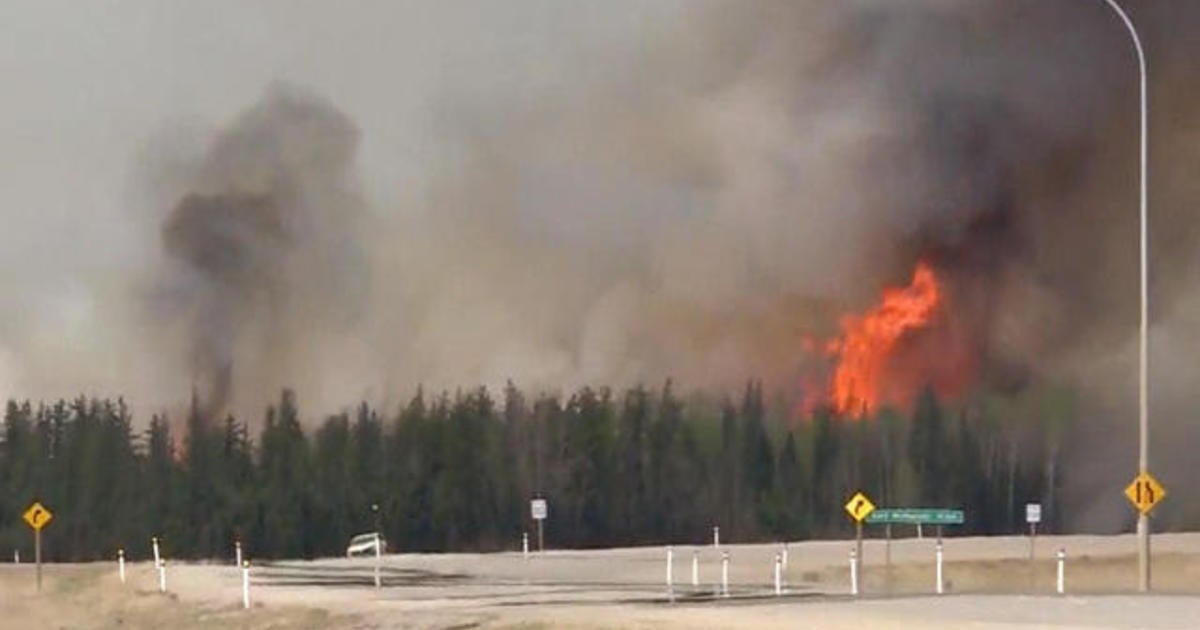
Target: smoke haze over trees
<point>357,201</point>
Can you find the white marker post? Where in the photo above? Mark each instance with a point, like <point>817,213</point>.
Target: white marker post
<point>785,557</point>
<point>16,556</point>
<point>237,551</point>
<point>725,574</point>
<point>1062,559</point>
<point>853,572</point>
<point>695,569</point>
<point>1033,516</point>
<point>157,557</point>
<point>939,568</point>
<point>162,577</point>
<point>246,585</point>
<point>778,574</point>
<point>378,559</point>
<point>670,573</point>
<point>121,564</point>
<point>716,537</point>
<point>525,545</point>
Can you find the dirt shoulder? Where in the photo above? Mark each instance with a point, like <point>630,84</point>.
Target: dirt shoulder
<point>92,596</point>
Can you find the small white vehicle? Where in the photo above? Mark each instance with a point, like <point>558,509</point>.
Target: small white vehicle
<point>364,544</point>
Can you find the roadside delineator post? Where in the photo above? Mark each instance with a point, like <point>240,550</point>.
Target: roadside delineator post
<point>724,574</point>
<point>778,574</point>
<point>940,582</point>
<point>671,572</point>
<point>853,572</point>
<point>716,537</point>
<point>246,584</point>
<point>157,557</point>
<point>695,569</point>
<point>1062,559</point>
<point>16,556</point>
<point>378,560</point>
<point>121,564</point>
<point>162,576</point>
<point>785,557</point>
<point>237,550</point>
<point>525,545</point>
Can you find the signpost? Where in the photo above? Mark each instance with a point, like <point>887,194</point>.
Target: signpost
<point>1033,516</point>
<point>37,516</point>
<point>537,509</point>
<point>911,516</point>
<point>859,507</point>
<point>1144,493</point>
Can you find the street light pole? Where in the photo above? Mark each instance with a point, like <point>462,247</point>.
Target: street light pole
<point>1143,526</point>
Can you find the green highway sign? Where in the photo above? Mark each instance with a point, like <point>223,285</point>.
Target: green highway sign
<point>915,516</point>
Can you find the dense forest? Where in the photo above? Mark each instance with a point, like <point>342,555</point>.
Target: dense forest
<point>456,472</point>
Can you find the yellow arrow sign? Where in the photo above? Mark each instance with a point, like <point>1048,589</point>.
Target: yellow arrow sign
<point>1145,492</point>
<point>37,516</point>
<point>859,507</point>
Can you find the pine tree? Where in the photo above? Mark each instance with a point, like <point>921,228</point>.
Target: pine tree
<point>928,449</point>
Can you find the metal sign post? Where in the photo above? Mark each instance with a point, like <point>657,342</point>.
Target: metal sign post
<point>887,557</point>
<point>859,507</point>
<point>37,516</point>
<point>858,539</point>
<point>37,555</point>
<point>940,586</point>
<point>539,510</point>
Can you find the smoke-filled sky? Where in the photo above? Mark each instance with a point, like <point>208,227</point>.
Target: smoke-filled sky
<point>356,198</point>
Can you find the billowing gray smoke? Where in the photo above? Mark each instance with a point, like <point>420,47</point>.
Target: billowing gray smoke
<point>266,238</point>
<point>691,198</point>
<point>703,204</point>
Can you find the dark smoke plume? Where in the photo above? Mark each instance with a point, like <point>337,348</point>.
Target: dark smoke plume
<point>693,200</point>
<point>265,235</point>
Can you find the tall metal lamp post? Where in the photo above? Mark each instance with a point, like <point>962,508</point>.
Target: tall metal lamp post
<point>1143,525</point>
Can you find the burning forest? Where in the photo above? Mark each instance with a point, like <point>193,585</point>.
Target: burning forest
<point>867,371</point>
<point>891,213</point>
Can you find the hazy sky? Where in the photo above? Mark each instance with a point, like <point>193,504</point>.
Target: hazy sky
<point>92,88</point>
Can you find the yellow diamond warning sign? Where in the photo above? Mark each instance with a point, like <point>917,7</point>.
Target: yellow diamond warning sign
<point>37,516</point>
<point>859,507</point>
<point>1145,492</point>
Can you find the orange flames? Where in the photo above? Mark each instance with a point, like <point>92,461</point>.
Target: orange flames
<point>868,341</point>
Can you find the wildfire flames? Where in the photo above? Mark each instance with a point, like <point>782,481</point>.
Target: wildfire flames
<point>868,341</point>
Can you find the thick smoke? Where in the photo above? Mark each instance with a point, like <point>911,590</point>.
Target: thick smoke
<point>695,201</point>
<point>700,210</point>
<point>267,245</point>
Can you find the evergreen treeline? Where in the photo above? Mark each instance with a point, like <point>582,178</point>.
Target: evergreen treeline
<point>456,472</point>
